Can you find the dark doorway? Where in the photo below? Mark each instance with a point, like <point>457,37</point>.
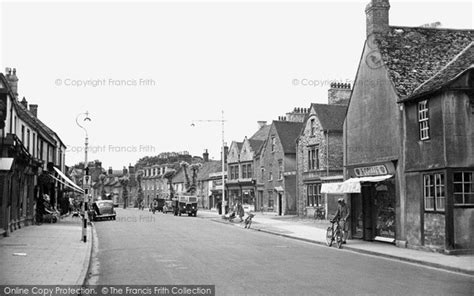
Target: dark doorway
<point>280,204</point>
<point>357,216</point>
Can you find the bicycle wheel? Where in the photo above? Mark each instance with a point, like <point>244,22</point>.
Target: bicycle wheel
<point>329,238</point>
<point>339,237</point>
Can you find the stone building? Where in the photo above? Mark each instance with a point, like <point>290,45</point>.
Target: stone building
<point>320,152</point>
<point>438,156</point>
<point>385,205</point>
<point>241,182</point>
<point>277,161</point>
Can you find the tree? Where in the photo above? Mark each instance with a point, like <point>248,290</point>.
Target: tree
<point>140,190</point>
<point>169,174</point>
<point>195,169</point>
<point>185,165</point>
<point>102,178</point>
<point>124,182</point>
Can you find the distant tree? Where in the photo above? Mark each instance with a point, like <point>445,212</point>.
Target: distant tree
<point>124,182</point>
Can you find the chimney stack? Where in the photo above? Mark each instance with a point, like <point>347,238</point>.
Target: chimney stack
<point>226,151</point>
<point>339,93</point>
<point>297,115</point>
<point>205,156</point>
<point>12,80</point>
<point>34,110</point>
<point>377,17</point>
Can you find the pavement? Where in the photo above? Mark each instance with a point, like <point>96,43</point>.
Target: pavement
<point>314,231</point>
<point>46,254</point>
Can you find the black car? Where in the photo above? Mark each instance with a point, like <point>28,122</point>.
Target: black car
<point>102,210</point>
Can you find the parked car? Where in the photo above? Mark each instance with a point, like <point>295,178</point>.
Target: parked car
<point>168,207</point>
<point>102,209</point>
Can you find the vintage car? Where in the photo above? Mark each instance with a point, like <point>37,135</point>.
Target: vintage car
<point>188,205</point>
<point>168,206</point>
<point>102,209</point>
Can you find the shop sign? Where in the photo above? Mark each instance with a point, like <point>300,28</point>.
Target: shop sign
<point>374,170</point>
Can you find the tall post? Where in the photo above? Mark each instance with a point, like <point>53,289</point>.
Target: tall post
<point>86,192</point>
<point>85,186</point>
<point>223,166</point>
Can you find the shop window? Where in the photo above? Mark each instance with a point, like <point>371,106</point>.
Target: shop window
<point>434,192</point>
<point>313,195</point>
<point>423,120</point>
<point>270,200</point>
<point>463,188</point>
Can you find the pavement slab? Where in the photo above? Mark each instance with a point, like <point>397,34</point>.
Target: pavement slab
<point>46,254</point>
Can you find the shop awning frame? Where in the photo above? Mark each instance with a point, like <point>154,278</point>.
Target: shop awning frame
<point>71,183</point>
<point>351,185</point>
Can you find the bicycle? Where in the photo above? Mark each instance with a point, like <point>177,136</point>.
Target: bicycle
<point>334,233</point>
<point>319,213</point>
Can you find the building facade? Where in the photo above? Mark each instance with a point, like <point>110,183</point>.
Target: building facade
<point>278,166</point>
<point>320,155</point>
<point>438,141</point>
<point>384,205</point>
<point>29,154</point>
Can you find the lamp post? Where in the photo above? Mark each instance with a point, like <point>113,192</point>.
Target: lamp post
<point>86,176</point>
<point>222,121</point>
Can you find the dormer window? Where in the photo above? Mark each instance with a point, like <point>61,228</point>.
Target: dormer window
<point>423,120</point>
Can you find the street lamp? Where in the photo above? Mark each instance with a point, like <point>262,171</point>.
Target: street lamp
<point>222,156</point>
<point>86,192</point>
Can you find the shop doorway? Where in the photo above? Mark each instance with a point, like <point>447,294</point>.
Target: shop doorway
<point>280,204</point>
<point>373,212</point>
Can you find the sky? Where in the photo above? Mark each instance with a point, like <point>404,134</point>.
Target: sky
<point>145,71</point>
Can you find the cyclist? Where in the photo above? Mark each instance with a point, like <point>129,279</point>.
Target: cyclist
<point>342,214</point>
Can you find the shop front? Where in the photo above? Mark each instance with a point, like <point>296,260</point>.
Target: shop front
<point>372,201</point>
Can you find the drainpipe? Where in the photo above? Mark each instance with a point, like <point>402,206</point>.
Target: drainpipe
<point>327,173</point>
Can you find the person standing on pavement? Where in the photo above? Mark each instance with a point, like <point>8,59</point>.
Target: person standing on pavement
<point>342,214</point>
<point>240,211</point>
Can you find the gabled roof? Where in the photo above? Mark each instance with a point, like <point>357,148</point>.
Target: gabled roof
<point>331,117</point>
<point>461,63</point>
<point>288,132</point>
<point>413,55</point>
<point>256,144</point>
<point>261,134</point>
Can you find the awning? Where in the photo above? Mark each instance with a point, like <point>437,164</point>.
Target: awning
<point>62,175</point>
<point>67,185</point>
<point>351,185</point>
